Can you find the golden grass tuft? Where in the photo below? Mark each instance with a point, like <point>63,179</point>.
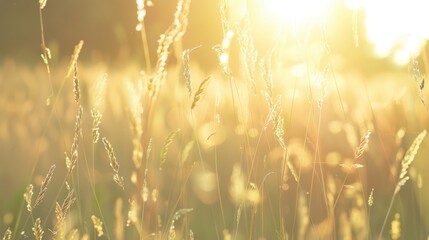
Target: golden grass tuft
<point>200,92</point>
<point>113,162</point>
<point>371,198</point>
<point>362,145</point>
<point>42,4</point>
<point>37,229</point>
<point>28,195</point>
<point>76,88</point>
<point>177,215</point>
<point>74,58</point>
<point>173,33</point>
<point>167,142</point>
<point>408,159</point>
<point>7,234</point>
<point>186,70</point>
<point>420,81</point>
<point>44,186</point>
<point>248,52</point>
<point>61,212</point>
<point>71,161</point>
<point>96,121</point>
<point>98,225</point>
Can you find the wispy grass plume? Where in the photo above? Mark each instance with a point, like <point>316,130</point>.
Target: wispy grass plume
<point>177,215</point>
<point>28,195</point>
<point>96,121</point>
<point>76,88</point>
<point>113,162</point>
<point>403,178</point>
<point>174,32</point>
<point>248,52</point>
<point>61,212</point>
<point>74,57</point>
<point>71,161</point>
<point>186,69</point>
<point>408,159</point>
<point>44,186</point>
<point>7,234</point>
<point>167,142</point>
<point>37,229</point>
<point>200,92</point>
<point>98,225</point>
<point>420,81</point>
<point>42,4</point>
<point>362,145</point>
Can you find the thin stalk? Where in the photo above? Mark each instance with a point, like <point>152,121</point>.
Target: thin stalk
<point>387,216</point>
<point>145,48</point>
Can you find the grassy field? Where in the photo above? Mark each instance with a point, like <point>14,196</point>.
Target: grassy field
<point>294,133</point>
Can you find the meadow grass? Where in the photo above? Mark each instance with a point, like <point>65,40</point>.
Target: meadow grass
<point>263,147</point>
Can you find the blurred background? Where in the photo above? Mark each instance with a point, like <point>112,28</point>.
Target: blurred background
<point>374,53</point>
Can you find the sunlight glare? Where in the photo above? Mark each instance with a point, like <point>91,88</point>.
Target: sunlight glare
<point>395,28</point>
<point>296,11</point>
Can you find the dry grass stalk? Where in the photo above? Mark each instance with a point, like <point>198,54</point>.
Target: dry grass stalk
<point>141,13</point>
<point>278,130</point>
<point>132,213</point>
<point>7,235</point>
<point>59,230</point>
<point>177,215</point>
<point>113,162</point>
<point>174,32</point>
<point>200,92</point>
<point>167,142</point>
<point>96,121</point>
<point>363,144</point>
<point>149,149</point>
<point>74,234</point>
<point>44,186</point>
<point>408,159</point>
<point>186,69</point>
<point>145,189</point>
<point>76,88</point>
<point>371,198</point>
<point>322,80</point>
<point>61,212</point>
<point>28,195</point>
<point>419,79</point>
<point>292,170</point>
<point>191,234</point>
<point>224,16</point>
<point>71,161</point>
<point>248,52</point>
<point>42,4</point>
<point>74,57</point>
<point>187,151</point>
<point>37,229</point>
<point>274,108</point>
<point>98,225</point>
<point>134,113</point>
<point>267,75</point>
